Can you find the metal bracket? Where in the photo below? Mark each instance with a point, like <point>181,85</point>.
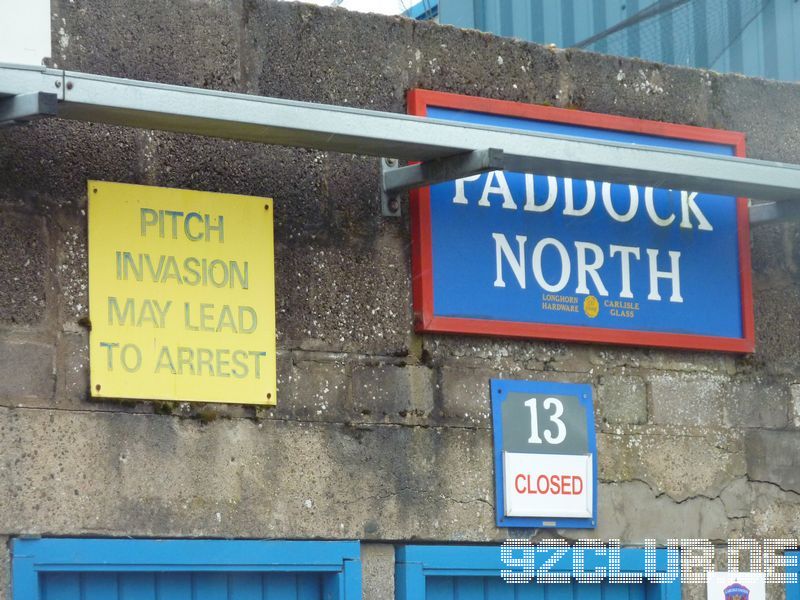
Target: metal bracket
<point>390,203</point>
<point>395,180</point>
<point>21,108</point>
<point>774,212</point>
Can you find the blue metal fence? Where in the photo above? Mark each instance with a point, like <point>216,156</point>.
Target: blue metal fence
<point>759,38</point>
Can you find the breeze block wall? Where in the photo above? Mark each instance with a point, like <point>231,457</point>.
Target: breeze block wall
<point>379,434</point>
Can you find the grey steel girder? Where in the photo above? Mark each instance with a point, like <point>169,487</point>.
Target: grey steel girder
<point>147,105</point>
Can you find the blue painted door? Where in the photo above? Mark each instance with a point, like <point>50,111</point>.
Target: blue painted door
<point>181,586</point>
<point>793,576</point>
<point>117,569</point>
<point>474,573</point>
<point>494,588</point>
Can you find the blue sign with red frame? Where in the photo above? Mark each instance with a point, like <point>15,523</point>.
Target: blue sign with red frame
<point>534,256</point>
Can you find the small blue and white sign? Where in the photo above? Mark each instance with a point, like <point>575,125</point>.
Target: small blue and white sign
<point>545,454</point>
<point>531,255</point>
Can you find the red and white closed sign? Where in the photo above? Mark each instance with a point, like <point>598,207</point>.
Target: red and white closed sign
<point>548,485</point>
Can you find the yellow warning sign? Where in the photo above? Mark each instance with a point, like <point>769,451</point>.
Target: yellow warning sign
<point>181,295</point>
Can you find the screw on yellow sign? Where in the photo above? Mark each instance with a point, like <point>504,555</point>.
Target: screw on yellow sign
<point>181,295</point>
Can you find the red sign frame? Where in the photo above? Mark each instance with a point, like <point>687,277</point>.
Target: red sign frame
<point>418,101</point>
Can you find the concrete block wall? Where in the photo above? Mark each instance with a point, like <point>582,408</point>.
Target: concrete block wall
<point>379,434</point>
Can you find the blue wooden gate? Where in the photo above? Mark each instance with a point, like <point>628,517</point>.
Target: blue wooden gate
<point>473,573</point>
<point>80,569</point>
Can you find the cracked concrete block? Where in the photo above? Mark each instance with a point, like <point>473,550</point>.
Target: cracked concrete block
<point>27,371</point>
<point>680,466</point>
<point>775,513</point>
<point>774,457</point>
<point>686,399</point>
<point>377,571</point>
<point>622,399</point>
<point>23,268</point>
<point>392,394</point>
<point>737,498</point>
<point>631,511</point>
<point>758,404</point>
<point>84,473</point>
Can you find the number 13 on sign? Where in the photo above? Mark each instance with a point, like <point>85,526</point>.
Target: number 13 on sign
<point>554,418</point>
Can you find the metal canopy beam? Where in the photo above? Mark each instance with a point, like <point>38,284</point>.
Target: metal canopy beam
<point>148,105</point>
<point>24,107</point>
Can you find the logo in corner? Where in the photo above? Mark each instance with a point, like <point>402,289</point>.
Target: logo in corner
<point>736,591</point>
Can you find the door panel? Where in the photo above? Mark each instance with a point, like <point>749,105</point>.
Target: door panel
<point>494,588</point>
<point>181,586</point>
